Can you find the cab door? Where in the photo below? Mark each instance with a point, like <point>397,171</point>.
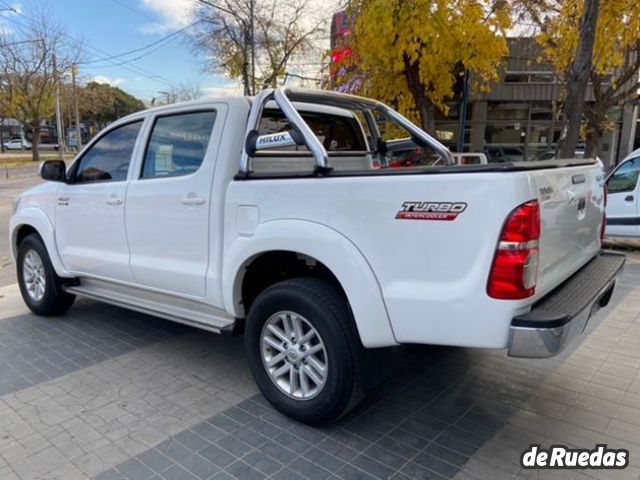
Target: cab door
<point>623,215</point>
<point>168,203</point>
<point>90,227</point>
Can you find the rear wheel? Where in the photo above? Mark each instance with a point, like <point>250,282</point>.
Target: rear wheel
<point>40,286</point>
<point>303,350</point>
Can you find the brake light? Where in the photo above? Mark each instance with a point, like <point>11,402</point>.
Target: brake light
<point>604,215</point>
<point>515,266</point>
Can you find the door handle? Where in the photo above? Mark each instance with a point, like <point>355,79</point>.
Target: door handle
<point>114,201</point>
<point>628,198</point>
<point>192,199</point>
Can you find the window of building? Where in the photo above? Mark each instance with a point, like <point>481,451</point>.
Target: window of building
<point>529,77</point>
<point>508,111</point>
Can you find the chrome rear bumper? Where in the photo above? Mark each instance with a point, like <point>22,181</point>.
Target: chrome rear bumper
<point>563,314</point>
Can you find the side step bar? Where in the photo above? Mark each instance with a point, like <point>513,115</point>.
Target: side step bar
<point>169,307</point>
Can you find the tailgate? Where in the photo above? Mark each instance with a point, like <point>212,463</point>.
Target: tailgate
<point>571,213</point>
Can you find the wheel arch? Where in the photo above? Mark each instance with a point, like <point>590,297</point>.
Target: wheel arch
<point>305,248</point>
<point>33,220</point>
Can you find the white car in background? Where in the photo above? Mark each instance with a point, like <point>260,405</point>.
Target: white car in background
<point>470,158</point>
<point>623,207</point>
<point>17,144</point>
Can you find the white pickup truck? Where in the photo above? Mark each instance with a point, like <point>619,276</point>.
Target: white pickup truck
<point>280,216</point>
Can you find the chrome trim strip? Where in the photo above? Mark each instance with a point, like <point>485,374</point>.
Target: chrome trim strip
<point>518,245</point>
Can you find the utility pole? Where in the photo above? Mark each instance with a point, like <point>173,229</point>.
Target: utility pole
<point>74,72</point>
<point>252,7</point>
<point>58,117</point>
<point>463,110</point>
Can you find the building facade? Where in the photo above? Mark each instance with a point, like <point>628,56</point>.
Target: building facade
<point>520,118</point>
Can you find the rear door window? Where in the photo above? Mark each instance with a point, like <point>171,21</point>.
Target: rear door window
<point>178,144</point>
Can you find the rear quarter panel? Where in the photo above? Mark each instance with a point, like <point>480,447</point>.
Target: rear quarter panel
<point>432,273</point>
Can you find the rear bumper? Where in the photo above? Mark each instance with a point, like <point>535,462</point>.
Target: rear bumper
<point>563,314</point>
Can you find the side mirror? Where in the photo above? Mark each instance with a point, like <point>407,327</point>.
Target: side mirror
<point>53,171</point>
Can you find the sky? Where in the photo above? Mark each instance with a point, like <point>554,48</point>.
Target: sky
<point>111,27</point>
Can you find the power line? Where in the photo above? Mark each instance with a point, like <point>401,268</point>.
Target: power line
<point>152,44</point>
<point>135,69</point>
<point>135,10</point>
<point>126,62</point>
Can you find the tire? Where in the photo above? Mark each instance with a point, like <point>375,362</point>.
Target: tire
<point>313,304</point>
<point>49,299</point>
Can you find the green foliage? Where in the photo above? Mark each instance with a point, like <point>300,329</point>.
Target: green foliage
<point>104,103</point>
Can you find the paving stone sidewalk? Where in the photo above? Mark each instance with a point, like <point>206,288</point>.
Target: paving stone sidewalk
<point>127,396</point>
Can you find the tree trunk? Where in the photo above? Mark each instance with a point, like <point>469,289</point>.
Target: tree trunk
<point>246,82</point>
<point>2,134</point>
<point>578,78</point>
<point>423,104</point>
<point>427,117</point>
<point>595,117</point>
<point>593,142</point>
<point>35,141</point>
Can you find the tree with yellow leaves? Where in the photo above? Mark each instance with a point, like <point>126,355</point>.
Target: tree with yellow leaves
<point>616,53</point>
<point>412,53</point>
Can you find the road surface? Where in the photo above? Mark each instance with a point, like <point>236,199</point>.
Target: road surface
<point>20,179</point>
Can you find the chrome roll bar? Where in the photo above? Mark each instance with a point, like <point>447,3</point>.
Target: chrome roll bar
<point>284,98</point>
<point>420,134</point>
<point>297,122</point>
<point>252,126</point>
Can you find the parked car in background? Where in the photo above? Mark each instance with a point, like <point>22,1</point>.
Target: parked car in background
<point>500,154</point>
<point>551,154</point>
<point>415,157</point>
<point>623,205</point>
<point>17,144</point>
<point>48,146</point>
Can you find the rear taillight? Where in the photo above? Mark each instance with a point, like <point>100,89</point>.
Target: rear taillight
<point>604,214</point>
<point>515,266</point>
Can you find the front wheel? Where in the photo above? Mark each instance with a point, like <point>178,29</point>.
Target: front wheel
<point>303,350</point>
<point>40,286</point>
